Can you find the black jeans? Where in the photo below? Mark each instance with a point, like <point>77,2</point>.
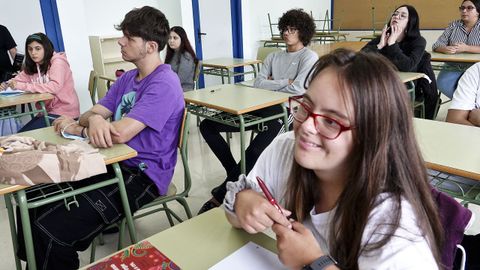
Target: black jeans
<point>59,233</point>
<point>211,132</point>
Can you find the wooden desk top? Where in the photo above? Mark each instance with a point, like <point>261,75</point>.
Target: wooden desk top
<point>322,49</point>
<point>204,240</point>
<point>455,58</point>
<point>6,101</point>
<point>117,153</point>
<point>449,148</point>
<point>410,76</point>
<point>235,98</point>
<point>226,62</point>
<point>371,36</point>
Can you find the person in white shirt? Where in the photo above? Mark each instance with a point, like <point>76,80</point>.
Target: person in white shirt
<point>465,107</point>
<point>350,174</point>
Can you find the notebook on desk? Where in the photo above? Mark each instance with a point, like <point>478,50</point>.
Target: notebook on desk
<point>139,256</point>
<point>9,92</point>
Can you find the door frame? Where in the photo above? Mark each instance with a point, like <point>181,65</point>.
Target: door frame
<point>237,33</point>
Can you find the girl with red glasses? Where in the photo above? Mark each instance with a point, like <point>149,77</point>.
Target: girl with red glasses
<point>350,177</point>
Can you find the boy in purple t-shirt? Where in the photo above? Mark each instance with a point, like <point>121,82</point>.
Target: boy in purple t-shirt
<point>146,106</point>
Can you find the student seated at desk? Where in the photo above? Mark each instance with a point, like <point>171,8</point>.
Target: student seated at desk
<point>465,107</point>
<point>403,45</point>
<point>461,36</point>
<point>46,71</point>
<point>401,41</point>
<point>181,57</point>
<point>283,71</point>
<point>152,87</point>
<point>358,200</point>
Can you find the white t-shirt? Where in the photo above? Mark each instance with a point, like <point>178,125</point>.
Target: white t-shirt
<point>467,95</point>
<point>407,249</point>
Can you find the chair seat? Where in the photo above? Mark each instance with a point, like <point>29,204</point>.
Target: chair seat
<point>172,190</point>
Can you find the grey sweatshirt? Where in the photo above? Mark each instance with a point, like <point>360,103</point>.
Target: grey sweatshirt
<point>185,69</point>
<point>283,66</point>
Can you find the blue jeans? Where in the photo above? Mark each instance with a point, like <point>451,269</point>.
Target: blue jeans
<point>38,122</point>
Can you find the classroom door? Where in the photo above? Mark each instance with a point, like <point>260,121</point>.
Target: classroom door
<point>215,32</point>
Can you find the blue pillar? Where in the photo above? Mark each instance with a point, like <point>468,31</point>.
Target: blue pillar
<point>237,33</point>
<point>198,41</point>
<point>51,22</point>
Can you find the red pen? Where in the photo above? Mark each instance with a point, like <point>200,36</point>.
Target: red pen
<point>269,195</point>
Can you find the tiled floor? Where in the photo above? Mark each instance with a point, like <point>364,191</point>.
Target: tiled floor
<point>206,172</point>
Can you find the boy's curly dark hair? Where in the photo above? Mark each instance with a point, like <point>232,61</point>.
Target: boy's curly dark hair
<point>148,23</point>
<point>301,20</point>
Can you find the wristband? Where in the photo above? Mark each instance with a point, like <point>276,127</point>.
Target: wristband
<point>321,263</point>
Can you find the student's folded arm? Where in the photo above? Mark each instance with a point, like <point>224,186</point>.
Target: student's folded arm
<point>262,81</point>
<point>458,117</point>
<point>296,87</point>
<point>473,49</point>
<point>464,97</point>
<point>97,109</point>
<point>474,117</point>
<point>405,62</point>
<point>442,41</point>
<point>127,128</point>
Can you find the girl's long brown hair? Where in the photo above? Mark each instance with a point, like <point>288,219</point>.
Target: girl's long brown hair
<point>385,159</point>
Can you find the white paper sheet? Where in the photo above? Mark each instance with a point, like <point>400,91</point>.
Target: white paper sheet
<point>250,256</point>
<point>11,92</point>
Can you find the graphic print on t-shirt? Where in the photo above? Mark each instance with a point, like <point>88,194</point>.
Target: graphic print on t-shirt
<point>128,100</point>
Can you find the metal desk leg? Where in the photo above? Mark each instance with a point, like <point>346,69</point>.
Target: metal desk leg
<point>27,230</point>
<point>45,114</point>
<point>229,76</point>
<point>221,75</point>
<point>126,206</point>
<point>13,230</point>
<point>242,145</point>
<point>255,71</point>
<point>285,117</point>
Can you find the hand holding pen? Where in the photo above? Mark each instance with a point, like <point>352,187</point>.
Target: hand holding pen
<point>269,196</point>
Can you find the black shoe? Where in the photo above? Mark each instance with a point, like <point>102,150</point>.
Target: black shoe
<point>207,206</point>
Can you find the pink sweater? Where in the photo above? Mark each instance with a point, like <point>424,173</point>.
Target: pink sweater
<point>58,81</point>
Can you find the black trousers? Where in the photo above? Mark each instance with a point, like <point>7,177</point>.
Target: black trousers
<point>59,233</point>
<point>211,132</point>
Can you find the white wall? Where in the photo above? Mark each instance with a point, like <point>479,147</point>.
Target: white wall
<point>75,40</point>
<point>80,19</point>
<point>13,16</point>
<point>255,20</point>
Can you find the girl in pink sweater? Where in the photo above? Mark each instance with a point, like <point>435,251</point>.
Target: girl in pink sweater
<point>46,72</point>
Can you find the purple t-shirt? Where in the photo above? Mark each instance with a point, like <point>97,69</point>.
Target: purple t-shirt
<point>156,101</point>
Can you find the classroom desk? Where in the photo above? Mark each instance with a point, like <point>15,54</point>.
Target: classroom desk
<point>203,241</point>
<point>223,67</point>
<point>463,61</point>
<point>455,58</point>
<point>329,36</point>
<point>369,37</point>
<point>27,98</point>
<point>112,155</point>
<point>320,37</point>
<point>452,149</point>
<point>322,49</point>
<point>408,78</point>
<point>230,104</point>
<point>449,148</point>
